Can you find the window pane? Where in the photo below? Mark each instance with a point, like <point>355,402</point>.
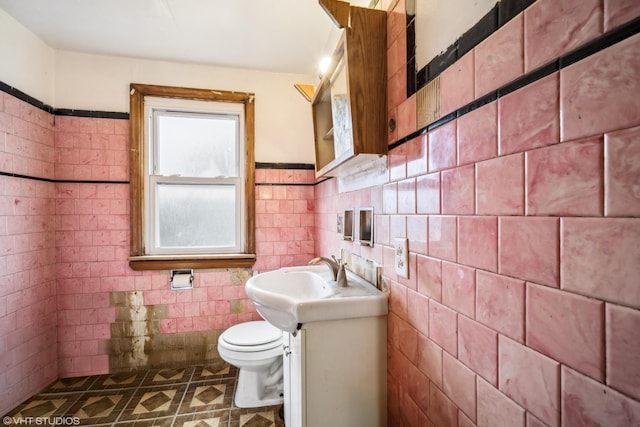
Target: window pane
<point>196,145</point>
<point>196,216</point>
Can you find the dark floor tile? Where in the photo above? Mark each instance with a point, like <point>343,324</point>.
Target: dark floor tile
<point>154,402</point>
<point>100,407</point>
<point>203,419</point>
<point>156,422</point>
<point>256,417</point>
<point>66,385</point>
<point>218,370</point>
<point>208,396</point>
<point>120,380</point>
<point>45,406</point>
<point>168,376</point>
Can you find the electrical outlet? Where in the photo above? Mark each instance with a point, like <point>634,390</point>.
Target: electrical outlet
<point>401,245</point>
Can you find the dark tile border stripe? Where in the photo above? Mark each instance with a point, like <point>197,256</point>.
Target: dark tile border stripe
<point>596,45</point>
<point>499,15</point>
<point>17,93</point>
<point>302,166</point>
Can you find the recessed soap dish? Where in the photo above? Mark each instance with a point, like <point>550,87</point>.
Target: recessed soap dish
<point>365,227</point>
<point>347,226</point>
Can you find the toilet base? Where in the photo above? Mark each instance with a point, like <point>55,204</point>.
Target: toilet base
<point>252,393</point>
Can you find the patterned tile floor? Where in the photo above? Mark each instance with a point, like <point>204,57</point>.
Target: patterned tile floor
<point>195,396</point>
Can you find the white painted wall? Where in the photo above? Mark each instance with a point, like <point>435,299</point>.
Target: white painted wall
<point>26,62</point>
<point>439,23</point>
<point>284,127</point>
<point>63,79</point>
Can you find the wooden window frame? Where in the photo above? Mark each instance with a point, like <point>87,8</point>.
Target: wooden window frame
<point>138,259</point>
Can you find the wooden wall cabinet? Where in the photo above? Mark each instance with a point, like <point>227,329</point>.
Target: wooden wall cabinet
<point>349,105</point>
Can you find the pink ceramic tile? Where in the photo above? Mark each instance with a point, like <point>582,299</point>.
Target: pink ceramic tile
<point>397,160</point>
<point>442,147</point>
<point>407,196</point>
<point>478,242</point>
<point>392,133</point>
<point>397,226</point>
<point>429,272</point>
<point>406,119</point>
<point>566,179</point>
<point>430,359</point>
<point>417,233</point>
<point>459,384</point>
<point>499,58</point>
<point>500,186</point>
<point>442,411</point>
<point>396,21</point>
<point>586,402</point>
<point>566,327</point>
<point>458,188</point>
<point>478,348</point>
<point>443,327</point>
<point>397,53</point>
<point>404,337</point>
<point>442,237</point>
<point>456,84</point>
<point>598,94</point>
<point>618,12</point>
<point>478,134</point>
<point>500,304</point>
<point>554,27</point>
<point>428,193</point>
<point>381,229</point>
<point>418,312</point>
<point>622,173</point>
<point>623,349</point>
<point>396,88</point>
<point>529,249</point>
<point>417,156</point>
<point>464,421</point>
<point>459,288</point>
<point>497,410</point>
<point>390,198</point>
<point>600,258</point>
<point>530,379</point>
<point>529,117</point>
<point>418,390</point>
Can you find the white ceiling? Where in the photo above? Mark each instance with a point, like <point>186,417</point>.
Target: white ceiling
<point>287,36</point>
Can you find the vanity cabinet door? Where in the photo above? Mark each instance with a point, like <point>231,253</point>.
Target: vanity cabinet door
<point>294,379</point>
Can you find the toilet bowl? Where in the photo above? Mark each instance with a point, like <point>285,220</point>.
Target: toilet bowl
<point>255,348</point>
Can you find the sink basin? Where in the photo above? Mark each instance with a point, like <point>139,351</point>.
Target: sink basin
<point>292,296</point>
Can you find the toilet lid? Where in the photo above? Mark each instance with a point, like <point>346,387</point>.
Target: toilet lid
<point>252,333</point>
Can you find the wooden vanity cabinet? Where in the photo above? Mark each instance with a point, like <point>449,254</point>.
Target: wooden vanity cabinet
<point>349,105</point>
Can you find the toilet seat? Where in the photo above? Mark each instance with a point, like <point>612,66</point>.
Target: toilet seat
<point>251,337</point>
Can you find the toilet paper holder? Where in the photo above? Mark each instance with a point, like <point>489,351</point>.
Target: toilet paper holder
<point>181,279</point>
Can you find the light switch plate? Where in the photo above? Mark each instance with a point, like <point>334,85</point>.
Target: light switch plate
<point>401,246</point>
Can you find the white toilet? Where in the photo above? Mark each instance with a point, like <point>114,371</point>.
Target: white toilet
<point>255,348</point>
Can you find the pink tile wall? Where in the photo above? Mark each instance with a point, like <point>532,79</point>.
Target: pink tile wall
<point>28,326</point>
<point>526,304</point>
<point>65,247</point>
<point>284,218</point>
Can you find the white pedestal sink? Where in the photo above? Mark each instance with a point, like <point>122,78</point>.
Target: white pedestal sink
<point>297,295</point>
<point>335,351</point>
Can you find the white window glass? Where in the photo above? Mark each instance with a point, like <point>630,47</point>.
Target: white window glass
<point>195,168</point>
<point>196,216</point>
<point>197,145</point>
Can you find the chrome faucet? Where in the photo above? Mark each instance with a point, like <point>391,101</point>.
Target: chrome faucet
<point>336,267</point>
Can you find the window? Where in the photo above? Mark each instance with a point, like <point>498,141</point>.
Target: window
<point>192,178</point>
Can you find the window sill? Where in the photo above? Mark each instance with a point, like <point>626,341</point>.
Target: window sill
<point>174,262</point>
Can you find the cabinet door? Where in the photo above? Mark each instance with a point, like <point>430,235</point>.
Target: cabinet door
<point>294,380</point>
<point>341,112</point>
